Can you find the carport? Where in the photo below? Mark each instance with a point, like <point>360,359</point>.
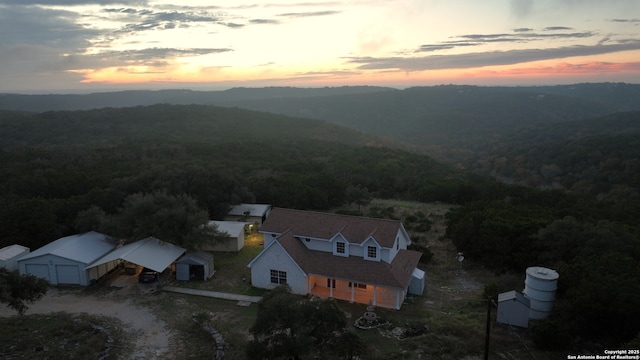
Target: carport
<point>150,253</point>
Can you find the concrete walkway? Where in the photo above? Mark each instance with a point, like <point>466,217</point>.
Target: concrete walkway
<point>213,294</point>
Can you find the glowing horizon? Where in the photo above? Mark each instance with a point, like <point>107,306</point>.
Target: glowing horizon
<point>111,44</point>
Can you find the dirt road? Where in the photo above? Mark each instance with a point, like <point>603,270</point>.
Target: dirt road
<point>152,338</point>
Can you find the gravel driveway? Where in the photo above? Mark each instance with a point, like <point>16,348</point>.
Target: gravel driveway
<point>153,341</point>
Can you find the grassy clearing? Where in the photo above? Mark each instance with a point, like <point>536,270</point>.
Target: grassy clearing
<point>62,336</point>
<point>232,274</point>
<point>191,342</point>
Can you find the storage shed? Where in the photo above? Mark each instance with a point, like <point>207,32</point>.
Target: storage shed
<point>513,309</point>
<point>9,256</point>
<point>235,239</point>
<point>63,261</point>
<point>416,286</point>
<point>251,213</point>
<point>195,266</point>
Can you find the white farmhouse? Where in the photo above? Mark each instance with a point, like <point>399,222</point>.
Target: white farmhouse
<point>358,259</point>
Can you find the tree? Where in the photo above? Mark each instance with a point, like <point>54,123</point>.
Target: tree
<point>173,218</point>
<point>290,326</point>
<point>17,290</point>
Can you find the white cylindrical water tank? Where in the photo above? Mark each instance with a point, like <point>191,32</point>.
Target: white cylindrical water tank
<point>540,288</point>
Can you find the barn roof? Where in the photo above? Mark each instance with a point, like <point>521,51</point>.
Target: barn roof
<point>83,248</point>
<point>11,251</point>
<point>233,228</point>
<point>150,252</point>
<point>253,209</point>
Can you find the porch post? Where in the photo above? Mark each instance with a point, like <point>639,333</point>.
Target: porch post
<point>330,287</point>
<point>397,300</point>
<point>352,291</point>
<point>374,295</point>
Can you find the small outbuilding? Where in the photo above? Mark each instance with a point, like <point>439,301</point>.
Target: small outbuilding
<point>195,266</point>
<point>64,261</point>
<point>251,213</point>
<point>9,256</point>
<point>234,241</point>
<point>513,309</point>
<point>416,286</point>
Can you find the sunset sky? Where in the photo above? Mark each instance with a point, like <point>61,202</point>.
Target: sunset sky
<point>84,45</point>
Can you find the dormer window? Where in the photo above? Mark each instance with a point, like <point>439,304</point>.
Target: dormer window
<point>340,248</point>
<point>372,252</point>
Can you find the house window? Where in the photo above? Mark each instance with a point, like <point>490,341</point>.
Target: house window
<point>372,252</point>
<point>278,277</point>
<point>358,285</point>
<point>340,248</point>
<point>331,283</point>
<point>398,244</point>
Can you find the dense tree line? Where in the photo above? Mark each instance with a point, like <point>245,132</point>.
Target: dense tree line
<point>60,164</point>
<point>596,156</point>
<point>595,250</point>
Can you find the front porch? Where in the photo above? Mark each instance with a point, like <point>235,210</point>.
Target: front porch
<point>351,291</point>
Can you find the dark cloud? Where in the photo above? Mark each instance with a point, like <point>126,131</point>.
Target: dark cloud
<point>153,56</point>
<point>522,30</point>
<point>144,19</point>
<point>264,21</point>
<point>310,14</point>
<point>557,28</point>
<point>71,2</point>
<point>518,36</point>
<point>43,27</point>
<point>231,24</point>
<point>463,61</point>
<point>634,21</point>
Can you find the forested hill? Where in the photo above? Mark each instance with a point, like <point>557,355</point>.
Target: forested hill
<point>110,126</point>
<point>598,156</point>
<point>58,164</point>
<point>449,122</point>
<point>47,102</point>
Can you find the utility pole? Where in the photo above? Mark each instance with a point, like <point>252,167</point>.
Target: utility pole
<point>486,335</point>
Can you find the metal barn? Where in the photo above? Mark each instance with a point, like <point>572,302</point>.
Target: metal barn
<point>63,261</point>
<point>9,256</point>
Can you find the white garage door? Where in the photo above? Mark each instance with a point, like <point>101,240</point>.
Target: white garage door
<point>39,270</point>
<point>68,274</point>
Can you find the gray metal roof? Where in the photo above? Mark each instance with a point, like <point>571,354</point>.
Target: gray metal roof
<point>253,209</point>
<point>196,258</point>
<point>233,228</point>
<point>513,295</point>
<point>83,248</point>
<point>150,252</point>
<point>11,251</point>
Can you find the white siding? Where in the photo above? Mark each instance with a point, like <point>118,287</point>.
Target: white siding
<point>276,258</point>
<point>356,250</point>
<point>365,249</point>
<point>269,237</point>
<point>317,244</point>
<point>36,266</point>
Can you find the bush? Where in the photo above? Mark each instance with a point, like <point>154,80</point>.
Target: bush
<point>427,254</point>
<point>550,334</point>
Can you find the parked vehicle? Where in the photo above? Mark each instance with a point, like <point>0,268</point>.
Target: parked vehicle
<point>148,275</point>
